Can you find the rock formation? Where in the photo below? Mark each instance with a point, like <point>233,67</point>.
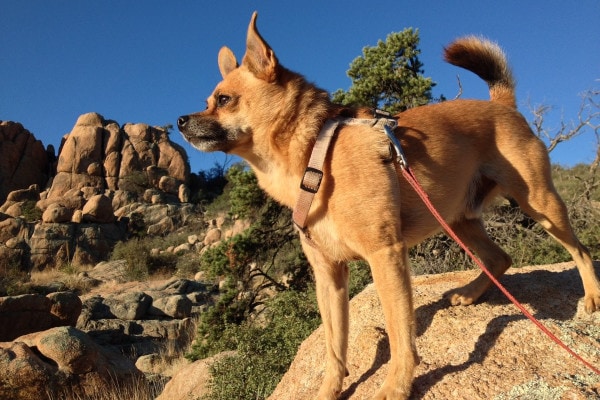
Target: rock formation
<point>59,344</point>
<point>23,160</point>
<point>98,155</point>
<point>106,177</point>
<point>20,315</point>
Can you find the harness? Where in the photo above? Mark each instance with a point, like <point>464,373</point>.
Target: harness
<point>313,175</point>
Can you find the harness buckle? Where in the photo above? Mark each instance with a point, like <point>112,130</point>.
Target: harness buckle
<point>311,180</point>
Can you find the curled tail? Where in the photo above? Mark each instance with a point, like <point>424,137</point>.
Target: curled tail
<point>488,61</point>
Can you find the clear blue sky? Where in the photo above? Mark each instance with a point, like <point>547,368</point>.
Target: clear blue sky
<point>151,61</point>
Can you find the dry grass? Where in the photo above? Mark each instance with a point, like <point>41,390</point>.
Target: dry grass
<point>70,279</point>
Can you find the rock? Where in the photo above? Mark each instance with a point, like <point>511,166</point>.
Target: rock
<point>184,193</point>
<point>32,194</point>
<point>212,236</point>
<point>23,160</point>
<point>57,213</point>
<point>177,306</point>
<point>64,357</point>
<point>193,380</point>
<point>72,350</point>
<point>109,271</point>
<point>168,184</point>
<point>66,307</point>
<point>150,363</point>
<point>129,306</point>
<point>162,227</point>
<point>193,239</point>
<point>54,244</point>
<point>20,315</point>
<point>484,351</point>
<point>20,365</point>
<point>182,248</point>
<point>23,314</point>
<point>98,209</point>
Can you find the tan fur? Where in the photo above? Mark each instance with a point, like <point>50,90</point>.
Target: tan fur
<point>464,152</point>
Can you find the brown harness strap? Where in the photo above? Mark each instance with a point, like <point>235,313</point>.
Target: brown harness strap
<point>313,175</point>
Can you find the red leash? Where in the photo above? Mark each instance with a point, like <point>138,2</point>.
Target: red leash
<point>409,176</point>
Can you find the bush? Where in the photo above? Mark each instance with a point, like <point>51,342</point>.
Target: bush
<point>264,352</point>
<point>136,256</point>
<point>30,211</point>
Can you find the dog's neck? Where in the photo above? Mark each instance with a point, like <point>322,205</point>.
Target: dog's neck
<point>292,136</point>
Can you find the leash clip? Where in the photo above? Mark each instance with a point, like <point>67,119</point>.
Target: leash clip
<point>400,157</point>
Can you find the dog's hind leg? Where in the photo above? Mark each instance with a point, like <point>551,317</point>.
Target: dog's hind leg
<point>472,233</point>
<point>391,275</point>
<point>544,205</point>
<point>332,296</point>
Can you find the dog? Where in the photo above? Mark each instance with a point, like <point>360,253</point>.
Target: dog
<point>464,152</point>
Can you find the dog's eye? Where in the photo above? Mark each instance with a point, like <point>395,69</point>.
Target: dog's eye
<point>222,100</point>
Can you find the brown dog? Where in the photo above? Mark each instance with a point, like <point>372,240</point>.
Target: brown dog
<point>464,153</point>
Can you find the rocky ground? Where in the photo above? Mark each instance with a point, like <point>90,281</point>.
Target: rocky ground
<point>485,351</point>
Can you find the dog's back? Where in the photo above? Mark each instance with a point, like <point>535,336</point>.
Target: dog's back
<point>488,61</point>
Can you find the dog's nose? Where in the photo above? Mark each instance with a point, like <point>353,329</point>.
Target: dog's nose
<point>182,121</point>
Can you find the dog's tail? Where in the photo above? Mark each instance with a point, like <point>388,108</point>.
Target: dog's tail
<point>488,61</point>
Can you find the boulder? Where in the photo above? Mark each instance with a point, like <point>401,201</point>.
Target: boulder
<point>30,194</point>
<point>57,213</point>
<point>19,365</point>
<point>66,360</point>
<point>176,306</point>
<point>193,380</point>
<point>20,315</point>
<point>65,307</point>
<point>98,209</point>
<point>23,159</point>
<point>212,236</point>
<point>129,306</point>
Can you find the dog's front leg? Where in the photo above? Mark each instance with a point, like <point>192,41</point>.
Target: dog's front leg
<point>332,295</point>
<point>391,275</point>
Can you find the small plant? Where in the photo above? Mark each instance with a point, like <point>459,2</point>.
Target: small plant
<point>12,279</point>
<point>136,256</point>
<point>30,211</point>
<point>136,182</point>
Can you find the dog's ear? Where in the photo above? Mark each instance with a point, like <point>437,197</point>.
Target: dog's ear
<point>227,61</point>
<point>259,58</point>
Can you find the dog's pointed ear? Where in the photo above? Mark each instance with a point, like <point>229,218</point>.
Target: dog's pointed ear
<point>227,61</point>
<point>259,58</point>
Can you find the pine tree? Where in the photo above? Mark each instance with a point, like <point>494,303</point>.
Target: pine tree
<point>388,76</point>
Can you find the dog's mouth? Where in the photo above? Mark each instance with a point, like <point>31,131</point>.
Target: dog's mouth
<point>203,133</point>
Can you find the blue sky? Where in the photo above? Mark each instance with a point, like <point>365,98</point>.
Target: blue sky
<point>152,61</point>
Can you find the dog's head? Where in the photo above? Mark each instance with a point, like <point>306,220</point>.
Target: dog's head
<point>241,102</point>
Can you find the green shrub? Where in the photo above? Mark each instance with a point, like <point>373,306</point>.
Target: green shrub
<point>137,257</point>
<point>136,182</point>
<point>264,352</point>
<point>30,211</point>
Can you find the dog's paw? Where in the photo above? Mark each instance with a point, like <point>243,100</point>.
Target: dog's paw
<point>386,393</point>
<point>330,389</point>
<point>592,302</point>
<point>460,297</point>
